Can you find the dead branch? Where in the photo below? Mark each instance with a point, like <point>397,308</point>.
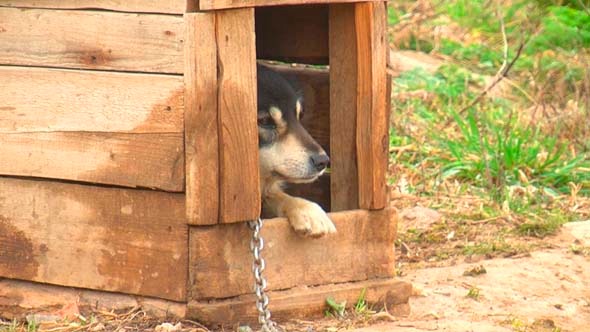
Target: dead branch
<point>502,73</point>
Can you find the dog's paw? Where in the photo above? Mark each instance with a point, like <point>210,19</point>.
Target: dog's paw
<point>309,219</point>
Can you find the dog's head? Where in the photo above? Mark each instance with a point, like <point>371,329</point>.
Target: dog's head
<point>287,151</point>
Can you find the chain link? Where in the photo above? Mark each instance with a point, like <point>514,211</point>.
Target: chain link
<point>258,266</point>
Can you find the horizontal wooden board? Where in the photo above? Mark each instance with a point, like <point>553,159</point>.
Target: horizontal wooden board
<point>140,6</point>
<point>315,84</point>
<point>19,299</point>
<point>292,34</point>
<point>134,160</point>
<point>122,240</point>
<point>305,302</point>
<point>91,40</point>
<point>42,100</point>
<point>222,4</point>
<point>221,262</point>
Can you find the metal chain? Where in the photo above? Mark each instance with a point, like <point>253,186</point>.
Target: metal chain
<point>256,246</point>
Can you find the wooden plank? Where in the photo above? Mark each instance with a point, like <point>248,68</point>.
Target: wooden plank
<point>238,136</point>
<point>315,84</point>
<point>121,240</point>
<point>225,4</point>
<point>23,298</point>
<point>220,264</point>
<point>305,302</point>
<point>69,39</point>
<point>293,34</point>
<point>140,6</point>
<point>372,136</point>
<point>43,100</point>
<point>343,108</point>
<point>201,133</point>
<point>133,160</point>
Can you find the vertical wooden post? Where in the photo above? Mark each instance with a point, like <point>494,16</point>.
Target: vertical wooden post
<point>344,186</point>
<point>238,132</point>
<point>221,135</point>
<point>372,137</point>
<point>200,119</point>
<point>359,112</point>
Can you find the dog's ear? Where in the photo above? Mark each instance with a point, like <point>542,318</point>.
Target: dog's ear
<point>295,83</point>
<point>291,79</point>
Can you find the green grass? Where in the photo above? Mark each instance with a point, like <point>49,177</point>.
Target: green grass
<point>523,149</point>
<point>473,293</point>
<point>494,247</point>
<point>13,326</point>
<point>488,146</point>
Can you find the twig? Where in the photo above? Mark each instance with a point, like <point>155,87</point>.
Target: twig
<point>584,6</point>
<point>196,324</point>
<point>483,221</point>
<point>502,73</point>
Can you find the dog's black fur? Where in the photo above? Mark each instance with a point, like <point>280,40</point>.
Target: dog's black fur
<point>288,153</point>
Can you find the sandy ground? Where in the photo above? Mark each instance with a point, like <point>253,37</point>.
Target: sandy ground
<point>548,290</point>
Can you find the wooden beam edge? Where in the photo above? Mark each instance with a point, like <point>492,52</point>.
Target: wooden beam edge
<point>22,298</point>
<point>304,302</point>
<point>206,5</point>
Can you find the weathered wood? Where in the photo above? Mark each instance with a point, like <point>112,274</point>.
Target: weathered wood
<point>44,100</point>
<point>292,34</point>
<point>224,4</point>
<point>315,84</point>
<point>343,108</point>
<point>122,240</point>
<point>238,131</point>
<point>91,40</point>
<point>220,264</point>
<point>201,133</point>
<point>134,160</point>
<point>138,6</point>
<point>304,302</point>
<point>372,136</point>
<point>18,299</point>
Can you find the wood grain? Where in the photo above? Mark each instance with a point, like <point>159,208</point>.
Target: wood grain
<point>238,131</point>
<point>22,298</point>
<point>120,240</point>
<point>201,132</point>
<point>220,264</point>
<point>305,302</point>
<point>140,6</point>
<point>372,136</point>
<point>44,100</point>
<point>91,40</point>
<point>133,160</point>
<point>292,34</point>
<point>343,108</point>
<point>224,4</point>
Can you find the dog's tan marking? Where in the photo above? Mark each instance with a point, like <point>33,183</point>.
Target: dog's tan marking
<point>298,108</point>
<point>277,116</point>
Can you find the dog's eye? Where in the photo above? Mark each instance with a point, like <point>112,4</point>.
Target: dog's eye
<point>266,122</point>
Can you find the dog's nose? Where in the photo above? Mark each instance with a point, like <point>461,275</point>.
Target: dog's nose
<point>320,161</point>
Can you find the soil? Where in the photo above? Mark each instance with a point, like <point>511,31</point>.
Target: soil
<point>545,290</point>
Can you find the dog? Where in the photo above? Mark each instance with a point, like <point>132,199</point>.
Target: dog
<point>288,154</point>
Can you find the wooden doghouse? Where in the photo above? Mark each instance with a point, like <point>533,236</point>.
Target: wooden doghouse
<point>128,152</point>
